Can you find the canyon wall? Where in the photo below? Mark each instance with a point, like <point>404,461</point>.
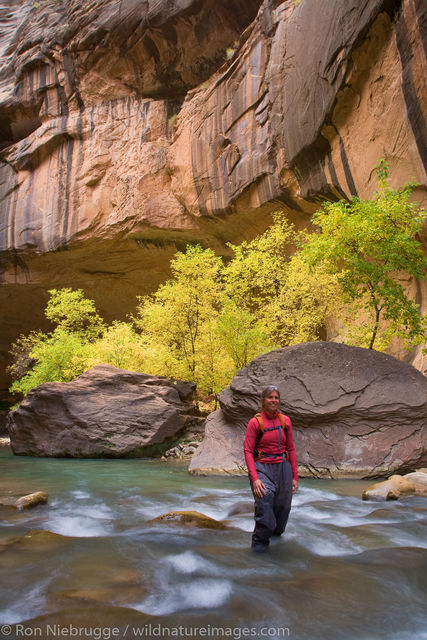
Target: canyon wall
<point>130,128</point>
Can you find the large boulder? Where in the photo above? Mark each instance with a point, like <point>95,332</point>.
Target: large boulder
<point>106,412</point>
<point>355,412</point>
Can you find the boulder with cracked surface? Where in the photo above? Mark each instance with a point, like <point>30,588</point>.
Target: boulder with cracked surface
<point>104,413</point>
<point>355,412</point>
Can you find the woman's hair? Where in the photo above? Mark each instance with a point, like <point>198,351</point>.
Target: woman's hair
<point>266,392</point>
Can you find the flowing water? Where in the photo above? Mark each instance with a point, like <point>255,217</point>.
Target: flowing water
<point>345,569</point>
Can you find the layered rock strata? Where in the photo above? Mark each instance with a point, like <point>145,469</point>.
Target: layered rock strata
<point>355,412</point>
<point>104,413</point>
<point>131,128</point>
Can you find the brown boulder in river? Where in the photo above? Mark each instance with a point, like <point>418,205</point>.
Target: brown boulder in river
<point>104,413</point>
<point>355,412</point>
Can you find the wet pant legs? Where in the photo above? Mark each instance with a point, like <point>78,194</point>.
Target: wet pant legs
<point>272,510</point>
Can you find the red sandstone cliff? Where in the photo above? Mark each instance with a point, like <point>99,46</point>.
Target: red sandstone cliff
<point>128,128</point>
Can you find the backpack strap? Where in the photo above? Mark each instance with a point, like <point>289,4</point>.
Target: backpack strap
<point>260,421</point>
<point>262,430</point>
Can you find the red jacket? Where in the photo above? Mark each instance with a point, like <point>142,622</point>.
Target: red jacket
<point>268,444</point>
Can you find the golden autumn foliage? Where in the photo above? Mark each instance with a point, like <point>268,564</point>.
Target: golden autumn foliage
<point>212,317</point>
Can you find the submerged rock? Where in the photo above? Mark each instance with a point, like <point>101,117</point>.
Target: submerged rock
<point>191,519</point>
<point>118,594</point>
<point>43,536</point>
<point>91,616</point>
<point>240,508</point>
<point>105,412</point>
<point>35,540</point>
<point>355,412</point>
<point>31,500</point>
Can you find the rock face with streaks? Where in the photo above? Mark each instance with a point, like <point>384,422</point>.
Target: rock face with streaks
<point>355,412</point>
<point>130,128</point>
<point>104,413</point>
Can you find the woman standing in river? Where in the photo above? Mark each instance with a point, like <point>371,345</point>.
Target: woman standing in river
<point>272,465</point>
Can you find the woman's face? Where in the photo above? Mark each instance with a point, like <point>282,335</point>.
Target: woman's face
<point>271,402</point>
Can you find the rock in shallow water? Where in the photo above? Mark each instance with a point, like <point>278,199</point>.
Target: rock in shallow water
<point>190,518</point>
<point>412,484</point>
<point>105,412</point>
<point>31,500</point>
<point>355,412</point>
<point>38,540</point>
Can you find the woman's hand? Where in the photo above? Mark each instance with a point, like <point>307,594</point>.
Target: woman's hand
<point>258,488</point>
<point>294,486</point>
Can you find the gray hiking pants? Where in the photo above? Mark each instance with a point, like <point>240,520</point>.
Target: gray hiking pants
<point>272,510</point>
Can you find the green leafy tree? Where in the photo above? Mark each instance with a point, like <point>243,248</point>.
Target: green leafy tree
<point>290,302</point>
<point>59,357</point>
<point>215,368</point>
<point>70,311</point>
<point>371,244</point>
<point>62,354</point>
<point>119,346</point>
<point>306,300</point>
<point>176,321</point>
<point>240,334</point>
<point>255,275</point>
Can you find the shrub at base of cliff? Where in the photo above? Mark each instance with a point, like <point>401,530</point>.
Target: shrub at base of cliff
<point>355,412</point>
<point>104,413</point>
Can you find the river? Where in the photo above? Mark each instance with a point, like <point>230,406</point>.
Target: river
<point>345,569</point>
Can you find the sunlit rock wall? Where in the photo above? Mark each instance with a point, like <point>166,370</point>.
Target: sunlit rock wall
<point>130,128</point>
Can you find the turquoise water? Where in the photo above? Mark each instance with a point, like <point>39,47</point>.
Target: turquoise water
<point>345,568</point>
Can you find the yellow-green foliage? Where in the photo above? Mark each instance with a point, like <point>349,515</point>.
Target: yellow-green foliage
<point>211,319</point>
<point>290,301</point>
<point>20,353</point>
<point>119,346</point>
<point>240,334</point>
<point>70,311</point>
<point>255,275</point>
<point>370,245</point>
<point>59,357</point>
<point>177,322</point>
<point>305,301</point>
<point>62,354</point>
